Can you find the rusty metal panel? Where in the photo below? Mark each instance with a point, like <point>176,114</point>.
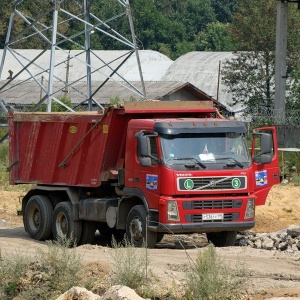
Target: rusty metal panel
<point>169,106</point>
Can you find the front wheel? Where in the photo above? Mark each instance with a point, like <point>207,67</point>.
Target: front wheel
<point>160,236</point>
<point>38,217</point>
<point>63,224</point>
<point>222,239</point>
<point>136,228</point>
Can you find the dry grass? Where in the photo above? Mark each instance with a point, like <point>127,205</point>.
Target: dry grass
<point>45,276</point>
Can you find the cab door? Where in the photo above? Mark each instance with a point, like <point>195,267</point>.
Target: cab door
<point>265,162</point>
<point>146,168</point>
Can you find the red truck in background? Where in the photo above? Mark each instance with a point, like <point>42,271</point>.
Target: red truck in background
<point>145,169</point>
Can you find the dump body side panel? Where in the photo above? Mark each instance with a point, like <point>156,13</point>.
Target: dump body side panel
<point>64,149</point>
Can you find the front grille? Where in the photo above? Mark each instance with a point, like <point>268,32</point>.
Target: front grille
<point>228,217</point>
<point>212,204</point>
<point>211,183</point>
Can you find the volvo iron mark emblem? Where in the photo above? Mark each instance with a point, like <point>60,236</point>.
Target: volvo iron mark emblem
<point>212,183</point>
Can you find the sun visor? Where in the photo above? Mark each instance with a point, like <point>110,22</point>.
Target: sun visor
<point>175,128</point>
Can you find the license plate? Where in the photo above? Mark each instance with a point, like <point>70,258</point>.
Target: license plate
<point>207,217</point>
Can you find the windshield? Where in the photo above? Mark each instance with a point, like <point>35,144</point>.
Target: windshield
<point>205,148</point>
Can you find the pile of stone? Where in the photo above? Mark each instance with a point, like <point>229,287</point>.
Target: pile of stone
<point>117,292</point>
<point>283,240</point>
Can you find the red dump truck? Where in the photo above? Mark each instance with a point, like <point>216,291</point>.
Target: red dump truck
<point>145,169</point>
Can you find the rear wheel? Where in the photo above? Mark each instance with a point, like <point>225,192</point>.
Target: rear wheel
<point>222,239</point>
<point>107,232</point>
<point>136,229</point>
<point>63,224</point>
<point>87,233</point>
<point>38,217</point>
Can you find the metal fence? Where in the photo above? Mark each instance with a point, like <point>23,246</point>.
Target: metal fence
<point>269,116</point>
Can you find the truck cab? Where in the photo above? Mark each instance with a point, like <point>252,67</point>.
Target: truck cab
<point>198,175</point>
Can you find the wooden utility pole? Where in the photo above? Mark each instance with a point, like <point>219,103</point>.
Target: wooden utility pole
<point>281,73</point>
<point>280,62</point>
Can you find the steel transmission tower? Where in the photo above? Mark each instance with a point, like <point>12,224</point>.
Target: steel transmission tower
<point>69,24</point>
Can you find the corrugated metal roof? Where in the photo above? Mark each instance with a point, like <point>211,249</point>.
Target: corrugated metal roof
<point>154,64</point>
<point>162,75</point>
<point>201,69</point>
<point>28,93</point>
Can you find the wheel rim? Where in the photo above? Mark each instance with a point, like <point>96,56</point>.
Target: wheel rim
<point>61,224</point>
<point>34,218</point>
<point>136,229</point>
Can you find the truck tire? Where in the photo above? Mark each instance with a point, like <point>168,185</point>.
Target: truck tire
<point>107,232</point>
<point>64,226</point>
<point>38,217</point>
<point>136,228</point>
<point>87,233</point>
<point>159,237</point>
<point>222,239</point>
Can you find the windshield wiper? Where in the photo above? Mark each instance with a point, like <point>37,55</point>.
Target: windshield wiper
<point>191,158</point>
<point>236,161</point>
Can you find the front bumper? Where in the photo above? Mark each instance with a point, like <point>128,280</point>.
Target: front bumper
<point>203,227</point>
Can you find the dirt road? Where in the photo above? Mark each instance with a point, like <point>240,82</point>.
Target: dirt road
<point>269,273</point>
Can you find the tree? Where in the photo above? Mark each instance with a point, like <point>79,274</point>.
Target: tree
<point>215,38</point>
<point>224,9</point>
<point>250,75</point>
<point>172,27</point>
<point>39,10</point>
<point>196,14</point>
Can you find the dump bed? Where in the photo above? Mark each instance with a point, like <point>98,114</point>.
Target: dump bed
<point>78,149</point>
<point>64,148</point>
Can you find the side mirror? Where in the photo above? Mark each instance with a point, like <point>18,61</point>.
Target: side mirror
<point>145,161</point>
<point>143,145</point>
<point>265,158</point>
<point>266,143</point>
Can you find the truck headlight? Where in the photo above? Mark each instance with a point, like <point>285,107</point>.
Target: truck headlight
<point>172,211</point>
<point>250,209</point>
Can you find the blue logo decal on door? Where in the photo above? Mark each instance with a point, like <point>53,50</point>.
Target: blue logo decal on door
<point>261,178</point>
<point>151,182</point>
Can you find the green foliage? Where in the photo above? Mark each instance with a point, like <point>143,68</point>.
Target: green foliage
<point>117,101</point>
<point>287,160</point>
<point>46,276</point>
<point>12,270</point>
<point>196,14</point>
<point>224,9</point>
<point>3,164</point>
<point>212,279</point>
<point>250,74</point>
<point>131,266</point>
<point>296,179</point>
<point>56,107</point>
<point>214,38</point>
<point>170,26</point>
<point>293,98</point>
<point>253,25</point>
<point>4,174</point>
